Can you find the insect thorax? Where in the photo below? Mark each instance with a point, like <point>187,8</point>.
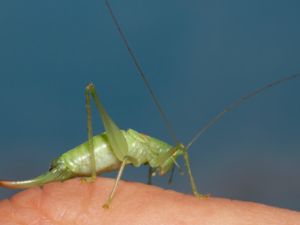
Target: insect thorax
<point>148,150</point>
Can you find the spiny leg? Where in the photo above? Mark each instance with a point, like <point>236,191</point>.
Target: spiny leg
<point>115,137</point>
<point>171,175</point>
<point>192,181</point>
<point>90,134</point>
<point>114,134</point>
<point>111,196</point>
<point>150,171</point>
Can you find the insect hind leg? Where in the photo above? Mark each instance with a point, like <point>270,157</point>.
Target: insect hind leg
<point>114,134</point>
<point>150,174</point>
<point>111,196</point>
<point>90,134</point>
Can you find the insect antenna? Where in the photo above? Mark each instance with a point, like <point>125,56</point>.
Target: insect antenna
<point>142,74</point>
<point>236,103</point>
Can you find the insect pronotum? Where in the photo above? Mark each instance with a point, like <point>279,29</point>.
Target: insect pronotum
<point>114,149</point>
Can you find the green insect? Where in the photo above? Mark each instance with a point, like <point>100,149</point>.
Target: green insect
<point>114,149</point>
<point>111,150</point>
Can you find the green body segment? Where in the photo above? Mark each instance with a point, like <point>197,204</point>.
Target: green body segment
<point>142,149</point>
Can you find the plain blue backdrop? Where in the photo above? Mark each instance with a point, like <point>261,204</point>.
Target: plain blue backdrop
<point>199,56</point>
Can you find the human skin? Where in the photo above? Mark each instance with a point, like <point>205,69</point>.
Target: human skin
<point>77,202</point>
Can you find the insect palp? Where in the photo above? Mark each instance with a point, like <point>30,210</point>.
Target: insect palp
<point>178,166</point>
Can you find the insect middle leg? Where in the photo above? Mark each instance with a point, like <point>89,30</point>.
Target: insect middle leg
<point>150,172</point>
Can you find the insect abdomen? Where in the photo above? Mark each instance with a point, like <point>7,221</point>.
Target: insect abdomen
<point>79,162</point>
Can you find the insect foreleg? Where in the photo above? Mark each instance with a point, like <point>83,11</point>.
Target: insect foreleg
<point>171,175</point>
<point>192,181</point>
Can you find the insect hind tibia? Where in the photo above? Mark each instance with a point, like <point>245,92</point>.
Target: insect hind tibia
<point>90,130</point>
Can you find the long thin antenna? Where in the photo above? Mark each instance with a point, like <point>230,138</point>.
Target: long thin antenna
<point>237,103</point>
<point>142,74</point>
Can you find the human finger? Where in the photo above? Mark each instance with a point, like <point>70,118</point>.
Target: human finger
<point>76,202</point>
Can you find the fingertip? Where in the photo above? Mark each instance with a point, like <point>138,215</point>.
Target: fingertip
<point>77,202</point>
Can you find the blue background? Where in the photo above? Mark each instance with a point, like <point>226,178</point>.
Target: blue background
<point>199,56</point>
